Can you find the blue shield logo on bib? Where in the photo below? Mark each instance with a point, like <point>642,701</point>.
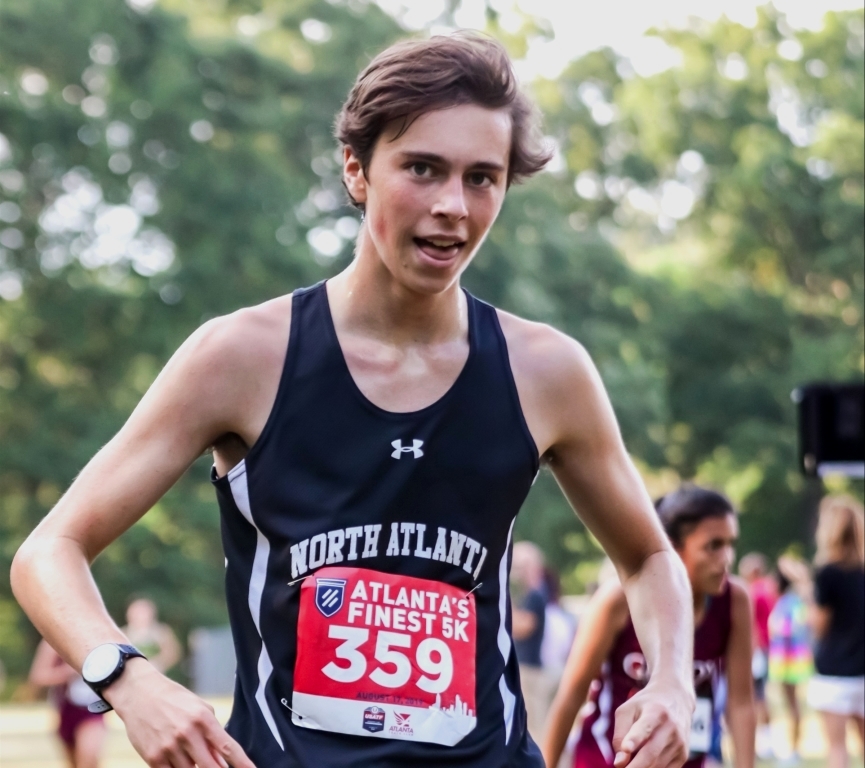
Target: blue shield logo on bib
<point>329,594</point>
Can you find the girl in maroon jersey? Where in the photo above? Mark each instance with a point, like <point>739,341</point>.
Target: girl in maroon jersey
<point>607,665</point>
<point>82,732</point>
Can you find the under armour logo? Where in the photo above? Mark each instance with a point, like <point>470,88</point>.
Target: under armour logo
<point>414,448</point>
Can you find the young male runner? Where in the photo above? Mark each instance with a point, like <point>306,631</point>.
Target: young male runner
<point>374,437</point>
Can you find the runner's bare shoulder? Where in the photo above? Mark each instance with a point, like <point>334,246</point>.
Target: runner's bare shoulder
<point>229,368</point>
<point>541,351</point>
<point>555,376</point>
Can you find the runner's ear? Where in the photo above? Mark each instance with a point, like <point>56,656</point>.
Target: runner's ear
<point>353,176</point>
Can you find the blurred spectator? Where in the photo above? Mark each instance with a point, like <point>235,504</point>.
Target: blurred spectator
<point>81,732</point>
<point>754,570</point>
<point>559,627</point>
<point>528,593</point>
<point>790,661</point>
<point>837,618</point>
<point>155,640</point>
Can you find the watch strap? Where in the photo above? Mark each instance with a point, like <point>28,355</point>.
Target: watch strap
<point>130,651</point>
<point>126,652</point>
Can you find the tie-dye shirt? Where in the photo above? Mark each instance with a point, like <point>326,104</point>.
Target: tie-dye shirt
<point>790,659</point>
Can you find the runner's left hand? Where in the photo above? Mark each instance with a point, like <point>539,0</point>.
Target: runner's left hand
<point>653,726</point>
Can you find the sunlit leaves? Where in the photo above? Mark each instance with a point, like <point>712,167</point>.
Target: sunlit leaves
<point>149,179</point>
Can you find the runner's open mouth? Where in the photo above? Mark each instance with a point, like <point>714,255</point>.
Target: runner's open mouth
<point>444,249</point>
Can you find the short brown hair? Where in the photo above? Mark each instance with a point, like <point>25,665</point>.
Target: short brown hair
<point>418,76</point>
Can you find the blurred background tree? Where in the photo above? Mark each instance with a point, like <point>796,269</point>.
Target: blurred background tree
<point>700,232</point>
<point>157,170</point>
<point>732,186</point>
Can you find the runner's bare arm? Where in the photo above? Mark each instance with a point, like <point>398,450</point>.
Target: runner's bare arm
<point>741,715</point>
<point>575,429</point>
<point>603,619</point>
<point>214,385</point>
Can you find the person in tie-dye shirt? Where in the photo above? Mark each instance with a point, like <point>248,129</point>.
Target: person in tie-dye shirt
<point>790,660</point>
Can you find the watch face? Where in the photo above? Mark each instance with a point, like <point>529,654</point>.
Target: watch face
<point>100,663</point>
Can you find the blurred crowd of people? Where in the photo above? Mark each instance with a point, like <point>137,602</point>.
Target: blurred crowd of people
<point>807,641</point>
<point>810,628</point>
<point>805,636</point>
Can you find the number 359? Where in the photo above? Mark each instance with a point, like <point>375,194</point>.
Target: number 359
<point>432,657</point>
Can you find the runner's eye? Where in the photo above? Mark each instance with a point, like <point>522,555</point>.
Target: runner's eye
<point>420,169</point>
<point>480,179</point>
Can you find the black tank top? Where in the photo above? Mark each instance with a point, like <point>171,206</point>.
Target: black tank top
<point>367,558</point>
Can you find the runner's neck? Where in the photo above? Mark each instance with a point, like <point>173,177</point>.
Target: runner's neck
<point>367,299</point>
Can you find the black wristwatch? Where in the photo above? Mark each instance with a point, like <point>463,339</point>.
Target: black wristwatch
<point>103,665</point>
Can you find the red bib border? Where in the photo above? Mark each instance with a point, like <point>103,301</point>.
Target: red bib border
<point>386,656</point>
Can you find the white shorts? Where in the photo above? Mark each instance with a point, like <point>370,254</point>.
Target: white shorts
<point>839,695</point>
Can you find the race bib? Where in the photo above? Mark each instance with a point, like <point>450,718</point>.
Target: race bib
<point>701,728</point>
<point>386,656</point>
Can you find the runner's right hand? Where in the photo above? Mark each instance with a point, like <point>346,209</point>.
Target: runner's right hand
<point>169,726</point>
<point>652,726</point>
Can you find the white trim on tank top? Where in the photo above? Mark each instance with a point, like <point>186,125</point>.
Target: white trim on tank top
<point>509,700</point>
<point>240,492</point>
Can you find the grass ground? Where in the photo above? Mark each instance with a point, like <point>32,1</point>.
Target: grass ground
<point>27,740</point>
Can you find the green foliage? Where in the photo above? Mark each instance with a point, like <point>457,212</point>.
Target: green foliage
<point>732,183</point>
<point>700,234</point>
<point>156,179</point>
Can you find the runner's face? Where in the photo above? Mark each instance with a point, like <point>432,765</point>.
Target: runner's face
<point>432,194</point>
<point>708,552</point>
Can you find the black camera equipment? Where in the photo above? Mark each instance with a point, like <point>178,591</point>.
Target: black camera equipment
<point>831,428</point>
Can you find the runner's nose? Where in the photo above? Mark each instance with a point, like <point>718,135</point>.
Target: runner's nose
<point>451,201</point>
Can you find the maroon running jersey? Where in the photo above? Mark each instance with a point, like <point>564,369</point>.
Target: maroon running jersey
<point>625,672</point>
